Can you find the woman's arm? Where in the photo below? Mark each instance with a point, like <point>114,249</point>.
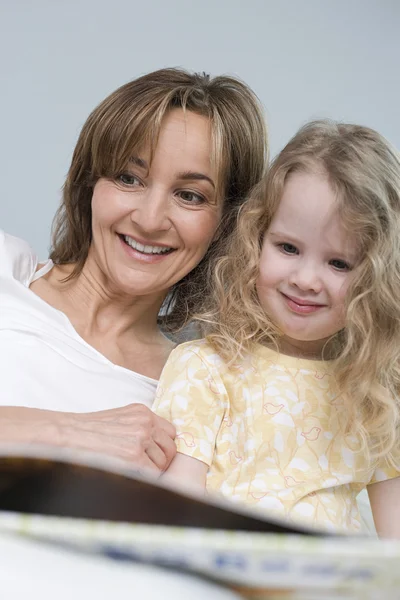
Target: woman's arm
<point>22,425</point>
<point>385,503</point>
<point>132,433</point>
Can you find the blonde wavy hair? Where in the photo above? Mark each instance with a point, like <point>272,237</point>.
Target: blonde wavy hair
<point>364,171</point>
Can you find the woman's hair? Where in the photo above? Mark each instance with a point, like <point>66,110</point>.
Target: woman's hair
<point>364,172</point>
<point>130,119</point>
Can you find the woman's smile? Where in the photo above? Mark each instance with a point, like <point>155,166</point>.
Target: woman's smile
<point>143,250</point>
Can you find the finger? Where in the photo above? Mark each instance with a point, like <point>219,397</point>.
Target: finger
<point>146,464</point>
<point>146,469</point>
<point>157,455</point>
<point>165,426</point>
<point>166,444</point>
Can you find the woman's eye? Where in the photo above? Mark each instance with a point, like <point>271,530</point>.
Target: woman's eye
<point>288,248</point>
<point>191,197</point>
<point>340,265</point>
<point>128,179</point>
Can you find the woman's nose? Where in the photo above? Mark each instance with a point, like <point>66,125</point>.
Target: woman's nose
<point>151,213</point>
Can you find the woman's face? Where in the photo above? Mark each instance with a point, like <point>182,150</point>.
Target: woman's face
<point>155,222</point>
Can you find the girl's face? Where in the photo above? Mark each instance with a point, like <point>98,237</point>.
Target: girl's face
<point>306,265</point>
<point>155,222</point>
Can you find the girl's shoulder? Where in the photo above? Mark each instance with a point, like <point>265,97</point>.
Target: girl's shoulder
<point>17,259</point>
<point>200,348</point>
<point>199,354</point>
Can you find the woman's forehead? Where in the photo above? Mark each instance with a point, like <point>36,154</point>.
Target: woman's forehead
<point>187,142</point>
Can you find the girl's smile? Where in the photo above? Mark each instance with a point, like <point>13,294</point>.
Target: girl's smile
<point>301,307</point>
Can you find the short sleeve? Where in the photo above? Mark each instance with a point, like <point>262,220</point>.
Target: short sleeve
<point>17,259</point>
<point>383,472</point>
<point>191,395</point>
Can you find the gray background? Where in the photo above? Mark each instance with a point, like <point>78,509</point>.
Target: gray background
<point>58,59</point>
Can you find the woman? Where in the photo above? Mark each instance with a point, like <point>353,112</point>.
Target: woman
<point>157,175</point>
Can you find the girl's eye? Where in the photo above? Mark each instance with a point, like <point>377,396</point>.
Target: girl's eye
<point>340,265</point>
<point>288,248</point>
<point>128,179</point>
<point>191,197</point>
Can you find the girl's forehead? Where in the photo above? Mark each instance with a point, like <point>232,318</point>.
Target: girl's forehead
<point>310,212</point>
<point>305,189</point>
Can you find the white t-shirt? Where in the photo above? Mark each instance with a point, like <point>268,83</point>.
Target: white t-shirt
<point>44,363</point>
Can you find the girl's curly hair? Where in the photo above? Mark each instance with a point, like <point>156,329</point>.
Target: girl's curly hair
<point>364,171</point>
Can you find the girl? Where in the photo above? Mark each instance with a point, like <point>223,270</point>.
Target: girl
<point>292,401</point>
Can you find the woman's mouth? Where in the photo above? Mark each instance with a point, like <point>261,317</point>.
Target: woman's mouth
<point>145,248</point>
<point>143,251</point>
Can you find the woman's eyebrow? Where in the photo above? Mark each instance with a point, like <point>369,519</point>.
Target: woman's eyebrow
<point>185,175</point>
<point>191,175</point>
<point>139,162</point>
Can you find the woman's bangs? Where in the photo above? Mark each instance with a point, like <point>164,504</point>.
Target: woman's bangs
<point>124,137</point>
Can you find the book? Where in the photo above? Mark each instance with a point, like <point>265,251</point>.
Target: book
<point>95,504</point>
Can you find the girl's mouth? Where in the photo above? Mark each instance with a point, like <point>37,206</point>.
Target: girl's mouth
<point>301,306</point>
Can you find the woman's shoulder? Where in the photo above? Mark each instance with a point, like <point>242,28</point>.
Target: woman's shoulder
<point>17,259</point>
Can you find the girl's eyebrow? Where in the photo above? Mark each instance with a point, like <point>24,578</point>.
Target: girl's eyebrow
<point>285,236</point>
<point>281,234</point>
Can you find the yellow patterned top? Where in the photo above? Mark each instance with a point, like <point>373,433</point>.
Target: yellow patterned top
<point>270,431</point>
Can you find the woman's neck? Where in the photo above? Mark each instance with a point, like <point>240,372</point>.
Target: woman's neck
<point>95,309</point>
<point>121,327</point>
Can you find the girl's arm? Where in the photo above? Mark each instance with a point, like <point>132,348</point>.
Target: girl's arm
<point>385,503</point>
<point>187,471</point>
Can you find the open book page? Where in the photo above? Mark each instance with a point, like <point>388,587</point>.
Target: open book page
<point>108,509</point>
<point>74,484</point>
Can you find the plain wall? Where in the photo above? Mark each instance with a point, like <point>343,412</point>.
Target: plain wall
<point>304,58</point>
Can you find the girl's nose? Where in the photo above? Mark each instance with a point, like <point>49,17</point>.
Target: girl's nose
<point>306,277</point>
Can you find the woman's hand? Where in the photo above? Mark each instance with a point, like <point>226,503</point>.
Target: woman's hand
<point>132,433</point>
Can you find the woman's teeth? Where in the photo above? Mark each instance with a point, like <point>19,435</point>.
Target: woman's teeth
<point>146,249</point>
